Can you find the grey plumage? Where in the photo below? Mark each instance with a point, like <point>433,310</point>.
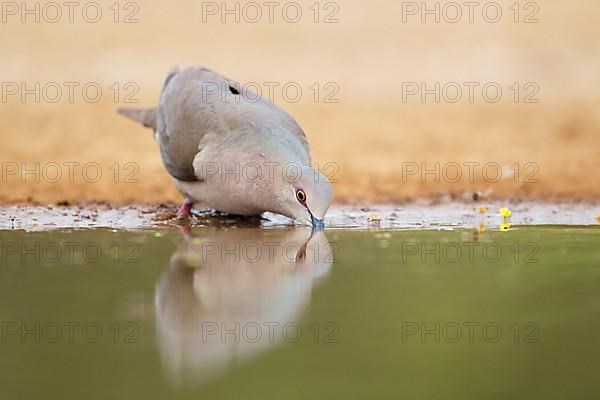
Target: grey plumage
<point>145,116</point>
<point>203,117</point>
<point>187,112</point>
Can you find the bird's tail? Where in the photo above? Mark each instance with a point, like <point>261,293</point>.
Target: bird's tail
<point>145,116</point>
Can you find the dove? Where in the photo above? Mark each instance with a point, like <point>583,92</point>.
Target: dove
<point>229,149</point>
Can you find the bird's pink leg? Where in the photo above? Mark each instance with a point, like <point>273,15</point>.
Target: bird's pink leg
<point>186,209</point>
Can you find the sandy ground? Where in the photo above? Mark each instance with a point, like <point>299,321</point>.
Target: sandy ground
<point>369,142</point>
<point>416,215</point>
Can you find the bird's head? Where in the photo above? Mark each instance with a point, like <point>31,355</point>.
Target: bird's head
<point>306,197</point>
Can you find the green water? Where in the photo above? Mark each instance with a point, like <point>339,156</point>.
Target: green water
<point>341,315</point>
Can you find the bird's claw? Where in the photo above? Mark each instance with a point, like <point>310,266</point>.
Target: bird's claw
<point>185,210</point>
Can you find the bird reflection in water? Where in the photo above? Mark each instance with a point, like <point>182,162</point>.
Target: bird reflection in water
<point>228,294</point>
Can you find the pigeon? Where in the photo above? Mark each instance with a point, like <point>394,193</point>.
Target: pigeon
<point>229,149</point>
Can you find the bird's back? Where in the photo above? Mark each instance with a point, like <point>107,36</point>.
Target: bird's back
<point>199,105</point>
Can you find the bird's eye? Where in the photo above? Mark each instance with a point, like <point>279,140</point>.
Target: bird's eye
<point>301,196</point>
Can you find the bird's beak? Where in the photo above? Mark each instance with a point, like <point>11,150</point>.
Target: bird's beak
<point>317,223</point>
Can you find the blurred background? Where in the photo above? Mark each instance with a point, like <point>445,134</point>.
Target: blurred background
<point>380,100</point>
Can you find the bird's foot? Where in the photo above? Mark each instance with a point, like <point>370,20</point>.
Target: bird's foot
<point>185,210</point>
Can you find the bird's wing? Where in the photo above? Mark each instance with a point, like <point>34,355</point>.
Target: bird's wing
<point>199,106</point>
<point>184,118</point>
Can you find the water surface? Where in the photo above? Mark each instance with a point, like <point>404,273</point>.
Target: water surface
<point>288,313</point>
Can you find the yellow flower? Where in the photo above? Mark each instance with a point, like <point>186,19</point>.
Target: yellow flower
<point>482,228</point>
<point>505,212</point>
<point>505,226</point>
<point>482,210</point>
<point>374,218</point>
